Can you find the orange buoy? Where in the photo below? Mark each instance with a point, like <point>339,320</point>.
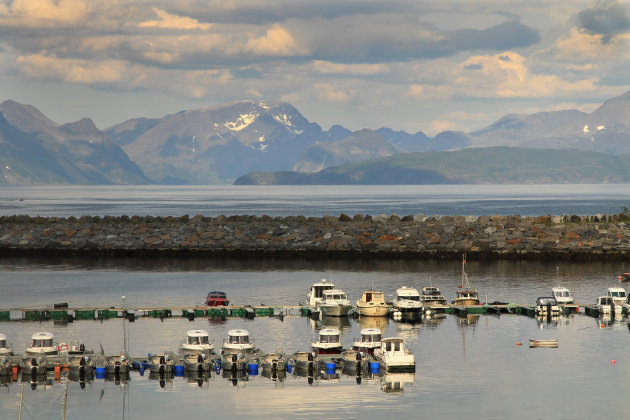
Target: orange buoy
<point>602,325</point>
<point>518,343</point>
<point>613,361</point>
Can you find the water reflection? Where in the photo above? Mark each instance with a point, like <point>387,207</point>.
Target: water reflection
<point>379,322</point>
<point>396,382</point>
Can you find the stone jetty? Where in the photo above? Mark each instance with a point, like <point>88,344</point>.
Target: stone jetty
<point>414,236</point>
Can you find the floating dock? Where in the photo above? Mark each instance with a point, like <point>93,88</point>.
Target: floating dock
<point>62,313</point>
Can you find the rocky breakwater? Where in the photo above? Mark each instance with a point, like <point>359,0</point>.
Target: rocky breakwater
<point>576,237</point>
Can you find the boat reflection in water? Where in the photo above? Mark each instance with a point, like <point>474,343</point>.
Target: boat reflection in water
<point>165,379</point>
<point>396,382</point>
<point>379,322</point>
<point>342,323</point>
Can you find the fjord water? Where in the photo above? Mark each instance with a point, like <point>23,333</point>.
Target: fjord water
<point>309,200</point>
<point>465,367</point>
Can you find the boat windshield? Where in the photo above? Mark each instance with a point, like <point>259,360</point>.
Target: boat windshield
<point>198,340</point>
<point>42,343</point>
<point>328,338</point>
<point>371,338</point>
<point>618,294</point>
<point>235,339</point>
<point>414,298</point>
<point>392,346</point>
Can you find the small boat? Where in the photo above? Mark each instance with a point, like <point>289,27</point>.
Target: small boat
<point>372,304</point>
<point>236,342</point>
<point>314,295</point>
<point>547,306</point>
<point>5,349</point>
<point>328,342</point>
<point>42,343</point>
<point>431,296</point>
<point>543,343</point>
<point>117,364</point>
<point>275,362</point>
<point>466,294</point>
<point>562,295</point>
<point>408,302</point>
<point>216,298</point>
<point>34,365</point>
<point>197,341</point>
<point>624,277</point>
<point>604,304</point>
<point>334,302</point>
<point>369,341</point>
<point>161,363</point>
<point>619,298</point>
<point>199,362</point>
<point>394,357</point>
<point>81,364</point>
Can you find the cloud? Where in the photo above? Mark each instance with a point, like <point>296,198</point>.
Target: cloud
<point>45,13</point>
<point>327,67</point>
<point>606,18</point>
<point>506,75</point>
<point>277,41</point>
<point>328,92</point>
<point>170,21</point>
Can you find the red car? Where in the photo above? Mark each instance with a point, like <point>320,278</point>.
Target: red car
<point>217,299</point>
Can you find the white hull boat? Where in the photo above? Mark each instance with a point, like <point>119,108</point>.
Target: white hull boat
<point>41,344</point>
<point>334,302</point>
<point>197,341</point>
<point>394,357</point>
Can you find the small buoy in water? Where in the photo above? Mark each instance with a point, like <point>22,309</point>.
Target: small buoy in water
<point>613,361</point>
<point>602,325</point>
<point>518,343</point>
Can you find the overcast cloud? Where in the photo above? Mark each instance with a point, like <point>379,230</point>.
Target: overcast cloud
<point>425,65</point>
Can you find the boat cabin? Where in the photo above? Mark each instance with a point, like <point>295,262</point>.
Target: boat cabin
<point>618,295</point>
<point>216,298</point>
<point>328,342</point>
<point>547,305</point>
<point>42,342</point>
<point>407,293</point>
<point>370,339</point>
<point>197,337</point>
<point>394,356</point>
<point>371,296</point>
<point>238,341</point>
<point>334,295</point>
<point>4,349</point>
<point>604,301</point>
<point>315,294</point>
<point>562,295</point>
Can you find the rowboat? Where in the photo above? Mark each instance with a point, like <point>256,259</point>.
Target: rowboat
<point>543,343</point>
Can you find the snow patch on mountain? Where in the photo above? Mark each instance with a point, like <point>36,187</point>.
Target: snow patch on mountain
<point>241,122</point>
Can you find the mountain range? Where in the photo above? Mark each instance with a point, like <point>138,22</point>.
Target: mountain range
<point>265,142</point>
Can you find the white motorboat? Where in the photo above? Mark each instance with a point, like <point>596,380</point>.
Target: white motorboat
<point>394,356</point>
<point>562,295</point>
<point>407,302</point>
<point>5,349</point>
<point>328,342</point>
<point>547,306</point>
<point>236,342</point>
<point>466,294</point>
<point>372,304</point>
<point>197,341</point>
<point>334,302</point>
<point>314,295</point>
<point>431,296</point>
<point>604,305</point>
<point>369,341</point>
<point>619,297</point>
<point>42,343</point>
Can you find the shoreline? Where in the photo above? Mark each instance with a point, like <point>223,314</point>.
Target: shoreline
<point>567,237</point>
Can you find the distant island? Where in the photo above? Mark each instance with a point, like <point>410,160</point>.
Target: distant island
<point>489,165</point>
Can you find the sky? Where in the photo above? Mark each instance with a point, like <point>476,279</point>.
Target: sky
<point>413,65</point>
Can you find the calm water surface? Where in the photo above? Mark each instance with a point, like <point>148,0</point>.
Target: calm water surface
<point>464,367</point>
<point>526,200</point>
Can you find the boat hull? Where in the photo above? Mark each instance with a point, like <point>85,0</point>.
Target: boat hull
<point>373,310</point>
<point>335,310</point>
<point>466,302</point>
